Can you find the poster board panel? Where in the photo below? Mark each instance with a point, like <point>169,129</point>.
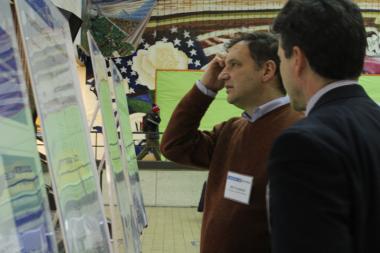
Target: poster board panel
<point>127,142</point>
<point>51,64</point>
<point>25,221</point>
<point>114,157</point>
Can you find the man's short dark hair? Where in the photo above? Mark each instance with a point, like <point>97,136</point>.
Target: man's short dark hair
<point>331,34</point>
<point>263,47</point>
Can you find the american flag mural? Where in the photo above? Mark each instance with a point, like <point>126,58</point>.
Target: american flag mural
<point>157,46</point>
<point>200,29</point>
<point>199,39</point>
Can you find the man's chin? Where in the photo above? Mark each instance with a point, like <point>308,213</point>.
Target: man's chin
<point>230,101</point>
<point>234,102</point>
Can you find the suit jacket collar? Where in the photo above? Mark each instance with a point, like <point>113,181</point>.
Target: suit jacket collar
<point>343,92</point>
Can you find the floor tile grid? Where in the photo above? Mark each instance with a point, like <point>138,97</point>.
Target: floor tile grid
<point>172,230</point>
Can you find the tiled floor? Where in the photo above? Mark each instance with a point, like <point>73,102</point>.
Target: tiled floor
<point>172,230</point>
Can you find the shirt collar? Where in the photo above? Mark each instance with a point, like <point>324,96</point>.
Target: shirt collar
<point>314,99</point>
<point>265,108</point>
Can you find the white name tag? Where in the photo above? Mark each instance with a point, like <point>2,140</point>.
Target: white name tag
<point>238,187</point>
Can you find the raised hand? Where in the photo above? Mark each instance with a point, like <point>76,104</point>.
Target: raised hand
<point>210,77</point>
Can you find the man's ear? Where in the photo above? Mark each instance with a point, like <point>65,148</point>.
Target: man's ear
<point>269,68</point>
<point>299,61</point>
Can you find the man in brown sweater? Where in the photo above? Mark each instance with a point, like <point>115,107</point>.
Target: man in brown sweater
<point>235,151</point>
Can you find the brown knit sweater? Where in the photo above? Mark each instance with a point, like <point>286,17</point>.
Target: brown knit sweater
<point>235,145</point>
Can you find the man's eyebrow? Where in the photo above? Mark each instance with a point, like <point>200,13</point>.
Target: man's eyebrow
<point>233,60</point>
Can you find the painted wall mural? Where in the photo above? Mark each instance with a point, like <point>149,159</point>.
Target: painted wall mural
<point>186,34</point>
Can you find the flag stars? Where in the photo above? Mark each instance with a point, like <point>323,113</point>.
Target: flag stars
<point>177,42</point>
<point>190,43</point>
<point>181,40</point>
<point>131,90</point>
<point>193,52</point>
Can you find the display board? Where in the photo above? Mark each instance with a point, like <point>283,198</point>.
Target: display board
<point>51,64</point>
<point>128,145</point>
<point>371,84</point>
<point>25,221</point>
<point>114,156</point>
<point>172,85</point>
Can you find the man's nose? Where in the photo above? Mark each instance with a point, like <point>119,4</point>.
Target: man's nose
<point>223,75</point>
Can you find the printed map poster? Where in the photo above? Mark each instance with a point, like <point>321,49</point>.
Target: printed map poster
<point>51,63</point>
<point>114,156</point>
<point>25,221</point>
<point>128,145</point>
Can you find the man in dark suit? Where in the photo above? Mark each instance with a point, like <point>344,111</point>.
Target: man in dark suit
<point>324,172</point>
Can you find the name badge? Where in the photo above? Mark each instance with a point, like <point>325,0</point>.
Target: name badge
<point>238,187</point>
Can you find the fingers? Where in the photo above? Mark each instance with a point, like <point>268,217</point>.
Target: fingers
<point>214,68</point>
<point>220,60</point>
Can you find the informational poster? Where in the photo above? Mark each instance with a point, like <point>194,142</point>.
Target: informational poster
<point>128,145</point>
<point>172,86</point>
<point>371,84</point>
<point>51,63</point>
<point>25,221</point>
<point>114,155</point>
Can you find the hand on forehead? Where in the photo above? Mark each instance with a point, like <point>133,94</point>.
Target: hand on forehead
<point>220,59</point>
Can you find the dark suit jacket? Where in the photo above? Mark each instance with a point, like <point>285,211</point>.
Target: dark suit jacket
<point>324,177</point>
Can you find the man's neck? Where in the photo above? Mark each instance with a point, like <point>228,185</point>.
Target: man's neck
<point>313,84</point>
<point>264,98</point>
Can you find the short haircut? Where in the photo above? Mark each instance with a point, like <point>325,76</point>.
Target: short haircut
<point>263,47</point>
<point>331,34</point>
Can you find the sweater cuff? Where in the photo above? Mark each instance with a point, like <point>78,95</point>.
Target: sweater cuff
<point>204,89</point>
